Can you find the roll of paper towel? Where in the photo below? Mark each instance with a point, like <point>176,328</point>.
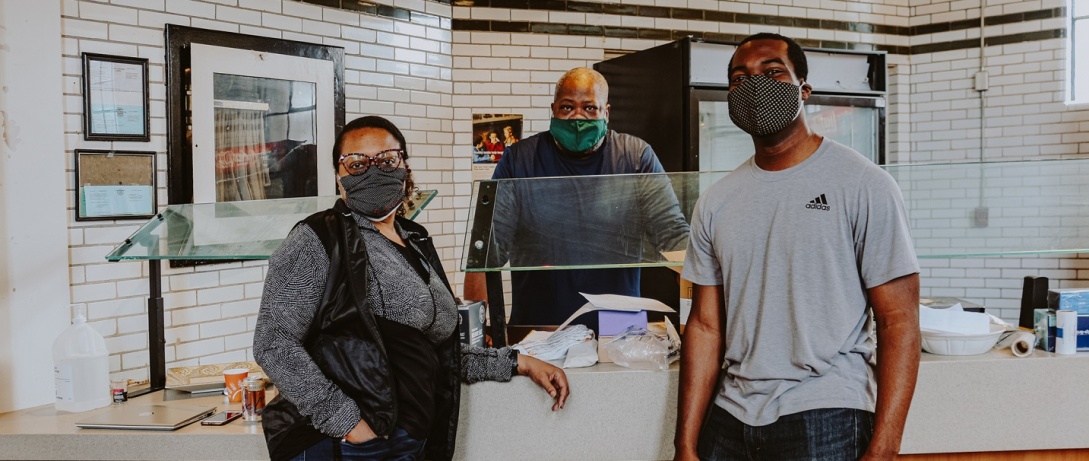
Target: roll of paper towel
<point>1066,332</point>
<point>1021,343</point>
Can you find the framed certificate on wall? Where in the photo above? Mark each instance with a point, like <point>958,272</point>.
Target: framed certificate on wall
<point>115,98</point>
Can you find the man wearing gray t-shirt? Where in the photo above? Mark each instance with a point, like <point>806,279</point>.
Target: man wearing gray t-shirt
<point>789,255</point>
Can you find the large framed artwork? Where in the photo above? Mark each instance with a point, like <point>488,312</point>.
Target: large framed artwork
<point>250,118</point>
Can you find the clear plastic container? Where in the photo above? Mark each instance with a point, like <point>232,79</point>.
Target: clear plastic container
<point>81,367</point>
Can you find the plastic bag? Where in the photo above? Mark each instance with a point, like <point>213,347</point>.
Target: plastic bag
<point>639,348</point>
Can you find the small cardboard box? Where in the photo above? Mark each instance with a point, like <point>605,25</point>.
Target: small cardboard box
<point>471,327</point>
<point>686,286</point>
<point>1044,319</point>
<point>612,323</point>
<point>686,302</point>
<point>1071,299</point>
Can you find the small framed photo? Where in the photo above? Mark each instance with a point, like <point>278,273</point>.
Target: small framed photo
<point>115,185</point>
<point>115,98</point>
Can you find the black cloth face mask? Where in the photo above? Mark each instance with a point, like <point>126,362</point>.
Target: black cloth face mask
<point>763,106</point>
<point>375,193</point>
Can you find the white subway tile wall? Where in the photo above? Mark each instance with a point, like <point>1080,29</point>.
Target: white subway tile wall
<point>394,68</point>
<point>1024,117</point>
<point>430,79</point>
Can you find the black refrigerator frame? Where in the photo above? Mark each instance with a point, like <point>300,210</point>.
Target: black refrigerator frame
<point>650,96</point>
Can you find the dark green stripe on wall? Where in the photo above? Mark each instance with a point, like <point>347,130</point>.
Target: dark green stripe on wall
<point>387,11</point>
<point>431,20</point>
<point>659,34</point>
<point>744,18</point>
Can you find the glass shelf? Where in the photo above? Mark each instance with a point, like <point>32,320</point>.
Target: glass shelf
<point>226,230</point>
<point>997,208</point>
<point>955,210</point>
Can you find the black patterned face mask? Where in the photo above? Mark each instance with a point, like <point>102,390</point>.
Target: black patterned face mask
<point>375,193</point>
<point>763,106</point>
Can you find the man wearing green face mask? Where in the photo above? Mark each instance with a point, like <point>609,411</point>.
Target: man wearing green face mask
<point>547,225</point>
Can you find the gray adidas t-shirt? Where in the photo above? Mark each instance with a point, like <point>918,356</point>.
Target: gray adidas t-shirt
<point>794,251</point>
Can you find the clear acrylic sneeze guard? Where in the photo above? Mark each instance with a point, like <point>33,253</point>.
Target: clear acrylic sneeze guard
<point>954,209</point>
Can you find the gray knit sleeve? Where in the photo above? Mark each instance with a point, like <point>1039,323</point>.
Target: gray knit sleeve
<point>485,364</point>
<point>293,290</point>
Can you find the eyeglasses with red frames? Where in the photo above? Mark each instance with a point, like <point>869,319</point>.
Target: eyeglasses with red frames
<point>386,161</point>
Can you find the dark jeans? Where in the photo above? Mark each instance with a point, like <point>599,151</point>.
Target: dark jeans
<point>824,434</point>
<point>398,447</point>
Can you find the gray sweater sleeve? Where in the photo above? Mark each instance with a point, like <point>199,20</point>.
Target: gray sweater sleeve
<point>485,364</point>
<point>293,289</point>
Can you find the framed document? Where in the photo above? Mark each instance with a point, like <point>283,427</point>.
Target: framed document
<point>114,185</point>
<point>115,98</point>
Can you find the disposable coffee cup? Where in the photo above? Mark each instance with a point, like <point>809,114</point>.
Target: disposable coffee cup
<point>232,380</point>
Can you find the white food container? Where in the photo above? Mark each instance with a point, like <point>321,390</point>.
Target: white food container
<point>961,344</point>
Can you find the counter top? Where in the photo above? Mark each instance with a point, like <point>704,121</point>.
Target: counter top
<point>998,402</point>
<point>45,433</point>
<point>988,402</point>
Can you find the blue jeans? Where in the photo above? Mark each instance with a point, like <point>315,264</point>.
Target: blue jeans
<point>824,434</point>
<point>398,447</point>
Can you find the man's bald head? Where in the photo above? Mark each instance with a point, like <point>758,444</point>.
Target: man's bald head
<point>583,78</point>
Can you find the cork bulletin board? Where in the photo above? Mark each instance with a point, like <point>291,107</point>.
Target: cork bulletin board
<point>114,185</point>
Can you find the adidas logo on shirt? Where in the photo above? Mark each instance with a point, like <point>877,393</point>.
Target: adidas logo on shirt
<point>819,203</point>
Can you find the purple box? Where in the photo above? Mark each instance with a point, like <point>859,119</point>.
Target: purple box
<point>611,323</point>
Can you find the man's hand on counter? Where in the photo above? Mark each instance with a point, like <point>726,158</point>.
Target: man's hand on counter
<point>551,378</point>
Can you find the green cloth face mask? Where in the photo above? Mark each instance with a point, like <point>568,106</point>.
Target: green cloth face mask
<point>578,135</point>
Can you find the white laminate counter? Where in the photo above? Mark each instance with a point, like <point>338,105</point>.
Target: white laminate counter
<point>989,402</point>
<point>998,402</point>
<point>44,433</point>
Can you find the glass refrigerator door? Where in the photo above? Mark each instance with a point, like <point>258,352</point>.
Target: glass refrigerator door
<point>722,146</point>
<point>856,122</point>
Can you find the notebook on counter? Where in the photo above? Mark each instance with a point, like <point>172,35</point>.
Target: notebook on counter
<point>146,417</point>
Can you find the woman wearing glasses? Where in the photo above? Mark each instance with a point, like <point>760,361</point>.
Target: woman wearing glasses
<point>358,324</point>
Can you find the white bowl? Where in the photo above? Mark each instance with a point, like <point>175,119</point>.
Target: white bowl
<point>959,344</point>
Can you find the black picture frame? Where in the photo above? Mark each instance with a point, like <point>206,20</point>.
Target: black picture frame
<point>111,93</point>
<point>178,113</point>
<point>113,185</point>
<point>179,123</point>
